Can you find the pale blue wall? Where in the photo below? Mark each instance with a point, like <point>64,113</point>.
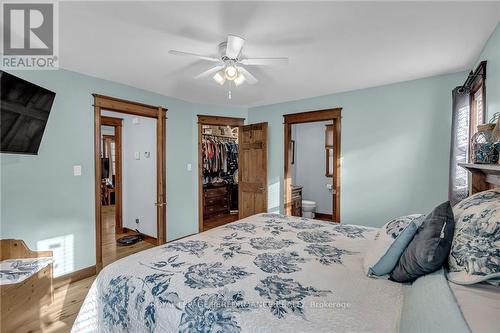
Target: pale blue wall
<point>395,147</point>
<point>491,53</point>
<point>41,199</point>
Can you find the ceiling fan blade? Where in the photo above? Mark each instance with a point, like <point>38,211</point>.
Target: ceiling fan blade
<point>199,56</point>
<point>264,61</point>
<point>234,46</point>
<point>209,72</point>
<point>249,77</point>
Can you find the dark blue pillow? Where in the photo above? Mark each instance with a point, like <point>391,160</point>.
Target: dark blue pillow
<point>429,248</point>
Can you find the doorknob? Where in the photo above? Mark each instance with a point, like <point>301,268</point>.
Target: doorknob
<point>262,188</point>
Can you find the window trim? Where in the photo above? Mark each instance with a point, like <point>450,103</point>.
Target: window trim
<point>476,81</point>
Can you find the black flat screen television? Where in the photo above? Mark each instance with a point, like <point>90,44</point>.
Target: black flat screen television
<point>24,112</point>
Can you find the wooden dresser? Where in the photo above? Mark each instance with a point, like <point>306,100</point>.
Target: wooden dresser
<point>216,201</point>
<point>296,200</point>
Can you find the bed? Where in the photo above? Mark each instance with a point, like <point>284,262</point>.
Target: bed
<point>266,273</point>
<point>253,275</point>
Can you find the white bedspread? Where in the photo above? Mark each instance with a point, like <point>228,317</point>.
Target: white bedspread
<point>265,273</point>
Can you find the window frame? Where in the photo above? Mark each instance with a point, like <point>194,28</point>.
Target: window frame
<point>477,82</point>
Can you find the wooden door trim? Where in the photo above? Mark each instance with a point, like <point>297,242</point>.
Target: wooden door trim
<point>220,120</point>
<point>102,102</point>
<point>335,115</point>
<point>124,106</point>
<point>215,121</point>
<point>312,116</point>
<point>111,121</point>
<point>117,123</point>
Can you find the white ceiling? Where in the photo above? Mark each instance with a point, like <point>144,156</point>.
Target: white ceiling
<point>332,46</point>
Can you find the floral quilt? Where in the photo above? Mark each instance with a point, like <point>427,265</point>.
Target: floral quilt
<point>17,270</point>
<point>265,273</point>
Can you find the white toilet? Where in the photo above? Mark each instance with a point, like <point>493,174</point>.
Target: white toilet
<point>308,209</point>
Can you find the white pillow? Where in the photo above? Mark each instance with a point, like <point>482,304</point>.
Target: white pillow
<point>475,251</point>
<point>390,242</point>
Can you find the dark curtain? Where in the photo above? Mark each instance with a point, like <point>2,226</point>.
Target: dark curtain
<point>459,177</point>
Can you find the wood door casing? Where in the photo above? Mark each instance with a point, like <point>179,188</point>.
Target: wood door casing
<point>335,115</point>
<point>252,169</point>
<point>107,103</point>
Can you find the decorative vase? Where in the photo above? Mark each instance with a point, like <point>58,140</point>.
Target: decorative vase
<point>484,150</point>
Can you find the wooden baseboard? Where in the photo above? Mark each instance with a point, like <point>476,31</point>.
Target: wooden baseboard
<point>147,238</point>
<point>74,276</point>
<point>324,217</point>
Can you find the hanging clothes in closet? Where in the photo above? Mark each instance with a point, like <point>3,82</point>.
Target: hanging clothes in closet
<point>220,159</point>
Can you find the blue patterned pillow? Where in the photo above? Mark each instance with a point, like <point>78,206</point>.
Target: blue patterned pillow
<point>475,252</point>
<point>390,242</point>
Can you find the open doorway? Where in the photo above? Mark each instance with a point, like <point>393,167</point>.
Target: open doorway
<point>312,164</point>
<point>218,170</point>
<point>130,177</point>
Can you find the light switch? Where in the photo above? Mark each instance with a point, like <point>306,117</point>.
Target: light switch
<point>189,167</point>
<point>147,154</point>
<point>77,170</point>
<point>136,121</point>
<point>137,155</point>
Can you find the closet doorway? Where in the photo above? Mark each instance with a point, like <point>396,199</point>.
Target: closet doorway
<point>312,164</point>
<point>117,122</point>
<point>218,164</point>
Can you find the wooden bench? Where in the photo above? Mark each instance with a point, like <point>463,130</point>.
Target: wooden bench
<point>22,301</point>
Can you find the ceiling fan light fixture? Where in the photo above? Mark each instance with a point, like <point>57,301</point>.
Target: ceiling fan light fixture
<point>239,79</point>
<point>231,73</point>
<point>220,77</point>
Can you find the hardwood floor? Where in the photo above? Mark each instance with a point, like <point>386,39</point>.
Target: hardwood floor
<point>324,217</point>
<point>218,221</point>
<point>59,316</point>
<point>110,251</point>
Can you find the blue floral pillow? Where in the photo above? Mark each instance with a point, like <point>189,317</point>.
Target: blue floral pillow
<point>390,242</point>
<point>475,252</point>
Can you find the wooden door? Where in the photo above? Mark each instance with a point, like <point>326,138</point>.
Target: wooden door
<point>252,169</point>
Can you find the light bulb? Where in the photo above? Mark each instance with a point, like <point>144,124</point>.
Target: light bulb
<point>239,79</point>
<point>231,72</point>
<point>219,77</point>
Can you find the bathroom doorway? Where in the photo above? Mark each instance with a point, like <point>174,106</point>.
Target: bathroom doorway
<point>312,164</point>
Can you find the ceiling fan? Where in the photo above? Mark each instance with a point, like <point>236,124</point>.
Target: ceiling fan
<point>230,62</point>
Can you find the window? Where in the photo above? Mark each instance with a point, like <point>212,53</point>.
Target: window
<point>468,111</point>
<point>475,84</point>
<point>477,109</point>
<point>329,149</point>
